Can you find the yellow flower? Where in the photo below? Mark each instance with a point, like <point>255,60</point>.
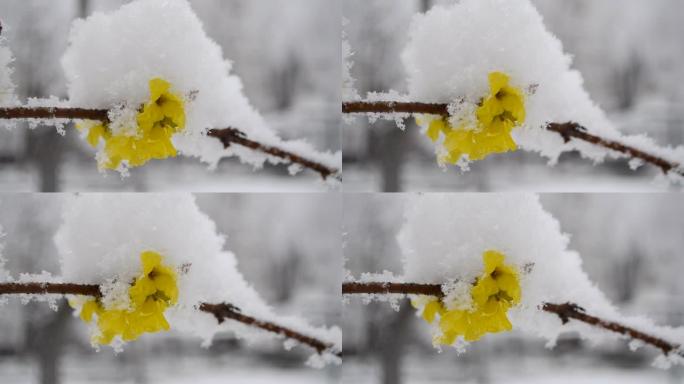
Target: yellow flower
<point>493,294</point>
<point>498,113</point>
<point>150,295</point>
<point>161,117</point>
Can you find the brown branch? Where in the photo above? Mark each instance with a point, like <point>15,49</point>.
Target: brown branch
<point>227,136</point>
<point>564,311</point>
<point>380,288</point>
<point>220,311</point>
<point>352,107</point>
<point>50,288</point>
<point>22,113</point>
<point>573,311</point>
<point>230,136</point>
<point>227,311</point>
<point>566,130</point>
<point>573,130</point>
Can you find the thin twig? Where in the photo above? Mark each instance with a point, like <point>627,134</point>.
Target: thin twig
<point>573,311</point>
<point>230,136</point>
<point>23,113</point>
<point>50,288</point>
<point>227,311</point>
<point>564,311</point>
<point>567,130</point>
<point>380,288</point>
<point>220,311</point>
<point>227,135</point>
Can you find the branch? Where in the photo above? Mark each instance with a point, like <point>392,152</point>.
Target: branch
<point>382,288</point>
<point>564,311</point>
<point>566,130</point>
<point>573,311</point>
<point>227,311</point>
<point>227,136</point>
<point>221,311</point>
<point>230,136</point>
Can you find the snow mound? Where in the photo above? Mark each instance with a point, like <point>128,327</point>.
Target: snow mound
<point>444,236</point>
<point>452,50</point>
<point>101,239</point>
<point>112,56</point>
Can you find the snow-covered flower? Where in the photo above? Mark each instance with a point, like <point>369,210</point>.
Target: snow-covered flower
<point>495,117</point>
<point>149,296</point>
<point>493,294</point>
<point>161,117</point>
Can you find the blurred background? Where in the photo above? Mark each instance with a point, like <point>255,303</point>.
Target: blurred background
<point>286,52</point>
<point>629,51</point>
<point>631,247</point>
<point>294,262</point>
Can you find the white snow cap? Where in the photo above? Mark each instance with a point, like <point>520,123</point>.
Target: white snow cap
<point>452,49</point>
<point>112,57</point>
<point>445,235</point>
<point>103,235</point>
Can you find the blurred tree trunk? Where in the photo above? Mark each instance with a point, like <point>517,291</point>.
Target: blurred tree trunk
<point>83,8</point>
<point>387,147</point>
<point>46,340</point>
<point>392,344</point>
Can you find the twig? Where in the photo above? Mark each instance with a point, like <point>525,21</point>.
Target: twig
<point>564,311</point>
<point>230,136</point>
<point>227,136</point>
<point>380,288</point>
<point>351,107</point>
<point>573,130</point>
<point>227,311</point>
<point>220,311</point>
<point>50,288</point>
<point>567,130</point>
<point>23,113</point>
<point>573,311</point>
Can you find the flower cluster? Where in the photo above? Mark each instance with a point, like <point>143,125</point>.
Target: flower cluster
<point>496,116</point>
<point>149,296</point>
<point>160,118</point>
<point>492,295</point>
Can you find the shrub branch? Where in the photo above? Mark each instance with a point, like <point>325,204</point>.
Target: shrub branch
<point>564,311</point>
<point>568,130</point>
<point>227,136</point>
<point>221,311</point>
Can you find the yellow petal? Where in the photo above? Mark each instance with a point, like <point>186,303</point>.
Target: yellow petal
<point>431,309</point>
<point>149,261</point>
<point>157,88</point>
<point>492,259</point>
<point>497,81</point>
<point>95,134</point>
<point>89,308</point>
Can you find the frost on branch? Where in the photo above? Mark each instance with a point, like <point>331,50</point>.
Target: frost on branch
<point>348,90</point>
<point>454,49</point>
<point>8,96</point>
<point>443,241</point>
<point>112,57</point>
<point>101,241</point>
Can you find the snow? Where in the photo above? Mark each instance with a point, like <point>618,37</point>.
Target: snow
<point>7,88</point>
<point>444,236</point>
<point>112,56</point>
<point>101,239</point>
<point>453,48</point>
<point>348,91</point>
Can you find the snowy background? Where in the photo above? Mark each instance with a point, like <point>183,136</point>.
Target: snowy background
<point>294,85</point>
<point>627,51</point>
<point>631,248</point>
<point>293,262</point>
